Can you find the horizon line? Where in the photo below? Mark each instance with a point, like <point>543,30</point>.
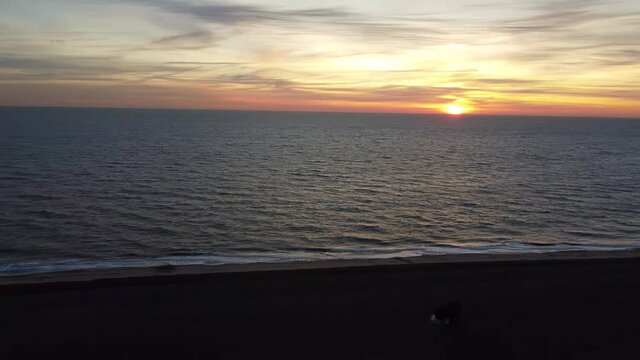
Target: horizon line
<point>620,117</point>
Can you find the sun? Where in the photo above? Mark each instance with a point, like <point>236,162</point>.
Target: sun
<point>455,109</point>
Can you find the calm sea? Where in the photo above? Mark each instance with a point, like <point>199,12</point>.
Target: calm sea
<point>85,188</point>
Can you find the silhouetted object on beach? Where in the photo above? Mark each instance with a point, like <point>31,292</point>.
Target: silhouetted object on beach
<point>447,313</point>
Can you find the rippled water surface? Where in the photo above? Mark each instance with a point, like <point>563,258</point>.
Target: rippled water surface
<point>100,188</point>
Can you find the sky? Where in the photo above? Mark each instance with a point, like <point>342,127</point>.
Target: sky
<point>534,57</point>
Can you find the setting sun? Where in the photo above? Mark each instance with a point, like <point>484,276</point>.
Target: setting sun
<point>455,109</point>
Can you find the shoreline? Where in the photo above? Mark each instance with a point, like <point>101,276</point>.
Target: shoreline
<point>173,272</point>
<point>580,305</point>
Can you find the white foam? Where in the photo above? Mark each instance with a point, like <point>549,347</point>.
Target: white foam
<point>34,267</point>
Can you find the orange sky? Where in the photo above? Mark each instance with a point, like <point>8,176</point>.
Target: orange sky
<point>575,57</point>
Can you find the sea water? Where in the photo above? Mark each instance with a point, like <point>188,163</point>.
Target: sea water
<point>92,188</point>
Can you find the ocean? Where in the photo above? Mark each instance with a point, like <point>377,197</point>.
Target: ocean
<point>104,188</point>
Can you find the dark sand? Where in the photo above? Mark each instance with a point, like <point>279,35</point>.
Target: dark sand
<point>581,305</point>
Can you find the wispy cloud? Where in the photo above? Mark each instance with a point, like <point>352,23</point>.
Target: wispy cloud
<point>81,68</point>
<point>228,13</point>
<point>331,20</point>
<point>191,41</point>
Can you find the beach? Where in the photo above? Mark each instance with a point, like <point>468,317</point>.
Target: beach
<point>580,305</point>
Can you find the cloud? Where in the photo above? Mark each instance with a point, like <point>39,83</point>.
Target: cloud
<point>225,13</point>
<point>618,57</point>
<point>81,68</point>
<point>190,41</point>
<point>507,81</point>
<point>261,81</point>
<point>256,79</point>
<point>549,19</point>
<point>209,63</point>
<point>330,20</point>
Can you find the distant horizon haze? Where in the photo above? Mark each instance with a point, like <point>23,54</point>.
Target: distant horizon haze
<point>436,114</point>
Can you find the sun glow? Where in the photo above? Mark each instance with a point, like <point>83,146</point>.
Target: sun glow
<point>455,109</point>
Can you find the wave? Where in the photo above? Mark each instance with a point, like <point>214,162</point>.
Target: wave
<point>315,254</point>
